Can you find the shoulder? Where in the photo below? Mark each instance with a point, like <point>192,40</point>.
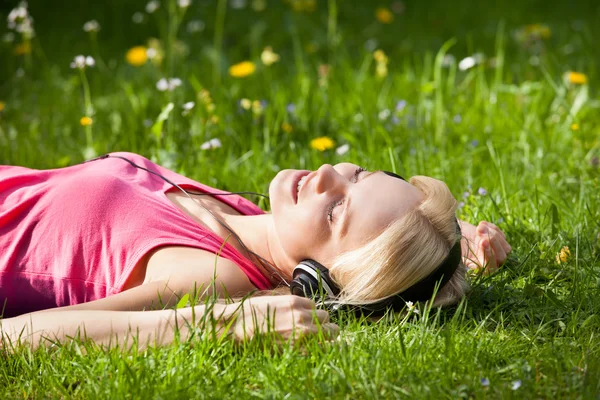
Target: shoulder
<point>193,267</point>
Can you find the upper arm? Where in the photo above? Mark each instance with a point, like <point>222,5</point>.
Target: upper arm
<point>171,273</point>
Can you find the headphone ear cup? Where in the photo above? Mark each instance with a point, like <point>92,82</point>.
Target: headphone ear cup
<point>304,285</point>
<point>311,279</point>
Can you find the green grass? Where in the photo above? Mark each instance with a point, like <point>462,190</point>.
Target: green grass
<point>505,125</point>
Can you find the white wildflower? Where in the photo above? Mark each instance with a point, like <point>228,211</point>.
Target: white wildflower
<point>137,18</point>
<point>411,307</point>
<point>151,53</point>
<point>80,62</point>
<point>195,26</point>
<point>168,84</point>
<point>471,61</point>
<point>268,56</point>
<point>184,3</point>
<point>343,149</point>
<point>384,114</point>
<point>91,26</point>
<point>152,6</point>
<point>162,85</point>
<point>187,107</point>
<point>516,384</point>
<point>211,144</point>
<point>17,15</point>
<point>466,63</point>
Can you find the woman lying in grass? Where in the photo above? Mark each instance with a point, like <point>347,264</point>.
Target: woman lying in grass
<point>89,247</point>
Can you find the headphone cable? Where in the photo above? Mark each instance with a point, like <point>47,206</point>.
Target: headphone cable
<point>261,260</point>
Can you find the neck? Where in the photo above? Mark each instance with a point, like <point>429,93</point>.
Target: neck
<point>258,235</point>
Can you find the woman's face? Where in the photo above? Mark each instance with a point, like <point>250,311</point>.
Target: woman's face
<point>337,209</point>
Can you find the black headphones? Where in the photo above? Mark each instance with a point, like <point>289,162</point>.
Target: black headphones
<point>311,279</point>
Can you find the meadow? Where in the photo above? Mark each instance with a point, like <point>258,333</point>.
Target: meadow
<point>499,100</point>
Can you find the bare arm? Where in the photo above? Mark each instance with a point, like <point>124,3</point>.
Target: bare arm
<point>290,317</point>
<point>172,273</point>
<point>103,327</point>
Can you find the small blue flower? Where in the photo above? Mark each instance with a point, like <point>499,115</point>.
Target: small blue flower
<point>474,142</point>
<point>461,204</point>
<point>482,191</point>
<point>395,120</point>
<point>500,220</point>
<point>466,194</point>
<point>485,382</point>
<point>400,105</point>
<point>457,119</point>
<point>291,108</point>
<point>516,384</point>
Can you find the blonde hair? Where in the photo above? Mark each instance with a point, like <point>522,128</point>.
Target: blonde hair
<point>406,252</point>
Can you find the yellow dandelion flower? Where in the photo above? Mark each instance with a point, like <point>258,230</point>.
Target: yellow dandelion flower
<point>23,48</point>
<point>574,127</point>
<point>287,128</point>
<point>380,56</point>
<point>268,57</point>
<point>86,121</point>
<point>242,70</point>
<point>563,255</point>
<point>322,143</point>
<point>246,104</point>
<point>137,56</point>
<point>2,106</point>
<point>576,78</point>
<point>384,15</point>
<point>382,60</point>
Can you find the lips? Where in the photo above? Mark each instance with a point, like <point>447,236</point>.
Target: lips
<point>295,179</point>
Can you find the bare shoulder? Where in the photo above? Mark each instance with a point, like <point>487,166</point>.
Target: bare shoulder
<point>191,266</point>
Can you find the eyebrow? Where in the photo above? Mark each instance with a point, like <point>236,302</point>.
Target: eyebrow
<point>345,221</point>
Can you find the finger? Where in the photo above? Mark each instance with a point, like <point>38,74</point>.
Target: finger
<point>302,302</point>
<point>330,330</point>
<point>322,316</point>
<point>488,256</point>
<point>506,247</point>
<point>499,253</point>
<point>482,228</point>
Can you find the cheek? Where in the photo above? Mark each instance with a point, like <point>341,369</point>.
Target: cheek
<point>301,233</point>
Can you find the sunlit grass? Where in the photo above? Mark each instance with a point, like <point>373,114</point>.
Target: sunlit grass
<point>501,104</point>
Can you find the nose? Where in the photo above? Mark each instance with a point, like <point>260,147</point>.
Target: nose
<point>328,179</point>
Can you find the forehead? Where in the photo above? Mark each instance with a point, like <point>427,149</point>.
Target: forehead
<point>375,202</point>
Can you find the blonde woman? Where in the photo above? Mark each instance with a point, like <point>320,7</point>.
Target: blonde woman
<point>104,248</point>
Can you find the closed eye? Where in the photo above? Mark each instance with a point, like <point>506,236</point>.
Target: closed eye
<point>333,205</point>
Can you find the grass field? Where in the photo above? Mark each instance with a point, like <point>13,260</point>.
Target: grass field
<point>498,100</point>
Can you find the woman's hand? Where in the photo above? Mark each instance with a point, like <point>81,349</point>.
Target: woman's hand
<point>483,246</point>
<point>290,318</point>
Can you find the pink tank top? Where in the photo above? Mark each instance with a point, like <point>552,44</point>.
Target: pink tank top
<point>74,234</point>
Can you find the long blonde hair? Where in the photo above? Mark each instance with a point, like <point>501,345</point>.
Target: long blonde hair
<point>405,252</point>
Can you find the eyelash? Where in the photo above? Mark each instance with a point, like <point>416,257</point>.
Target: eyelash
<point>337,203</point>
